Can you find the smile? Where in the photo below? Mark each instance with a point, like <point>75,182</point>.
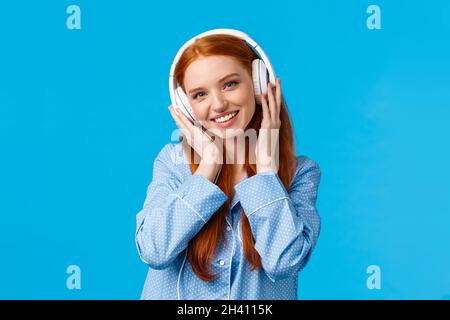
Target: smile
<point>227,120</point>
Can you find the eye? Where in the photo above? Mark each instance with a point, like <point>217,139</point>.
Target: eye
<point>197,95</point>
<point>231,84</point>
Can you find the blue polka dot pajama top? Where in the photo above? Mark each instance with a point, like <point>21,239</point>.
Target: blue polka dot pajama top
<point>285,226</point>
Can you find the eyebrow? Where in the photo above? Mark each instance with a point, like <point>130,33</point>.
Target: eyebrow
<point>227,76</point>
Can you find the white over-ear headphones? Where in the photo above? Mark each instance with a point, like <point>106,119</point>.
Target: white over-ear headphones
<point>262,72</point>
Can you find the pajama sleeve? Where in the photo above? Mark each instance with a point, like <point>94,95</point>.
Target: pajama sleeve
<point>174,211</point>
<point>285,225</point>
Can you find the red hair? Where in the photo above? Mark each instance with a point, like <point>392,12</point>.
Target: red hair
<point>202,248</point>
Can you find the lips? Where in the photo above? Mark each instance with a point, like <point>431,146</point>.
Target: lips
<point>224,114</point>
<point>227,123</point>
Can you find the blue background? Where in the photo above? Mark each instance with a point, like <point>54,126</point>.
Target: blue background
<point>83,113</point>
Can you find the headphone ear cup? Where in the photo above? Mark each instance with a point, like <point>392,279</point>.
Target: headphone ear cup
<point>260,78</point>
<point>183,102</point>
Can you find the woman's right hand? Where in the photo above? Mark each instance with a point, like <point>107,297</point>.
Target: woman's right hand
<point>210,152</point>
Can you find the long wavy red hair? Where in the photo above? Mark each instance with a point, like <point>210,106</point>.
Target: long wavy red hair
<point>202,248</point>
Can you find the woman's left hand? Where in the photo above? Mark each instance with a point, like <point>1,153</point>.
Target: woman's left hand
<point>267,146</point>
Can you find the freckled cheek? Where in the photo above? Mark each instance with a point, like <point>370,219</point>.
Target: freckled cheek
<point>199,113</point>
<point>240,97</point>
<point>246,100</point>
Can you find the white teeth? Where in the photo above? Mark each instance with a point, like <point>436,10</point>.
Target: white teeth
<point>226,118</point>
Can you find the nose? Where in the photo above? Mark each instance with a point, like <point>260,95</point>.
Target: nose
<point>219,103</point>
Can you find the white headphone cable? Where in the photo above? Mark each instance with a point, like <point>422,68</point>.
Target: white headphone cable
<point>179,275</point>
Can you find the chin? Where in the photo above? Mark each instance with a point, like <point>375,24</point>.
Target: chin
<point>231,136</point>
<point>234,132</point>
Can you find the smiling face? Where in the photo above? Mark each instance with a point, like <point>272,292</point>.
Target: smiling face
<point>220,91</point>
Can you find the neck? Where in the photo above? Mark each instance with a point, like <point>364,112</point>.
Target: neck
<point>235,152</point>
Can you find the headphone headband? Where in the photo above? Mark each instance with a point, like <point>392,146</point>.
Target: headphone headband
<point>232,32</point>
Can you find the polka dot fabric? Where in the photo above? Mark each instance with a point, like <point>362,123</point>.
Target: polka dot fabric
<point>285,225</point>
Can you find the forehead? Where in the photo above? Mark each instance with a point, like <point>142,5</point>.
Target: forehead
<point>208,70</point>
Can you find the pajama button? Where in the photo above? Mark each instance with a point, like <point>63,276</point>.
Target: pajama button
<point>228,228</point>
<point>221,262</point>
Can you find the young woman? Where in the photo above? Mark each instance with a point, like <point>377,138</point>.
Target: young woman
<point>247,234</point>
